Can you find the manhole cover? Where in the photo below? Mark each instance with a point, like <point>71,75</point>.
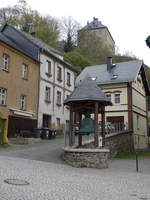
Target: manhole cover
<point>16,182</point>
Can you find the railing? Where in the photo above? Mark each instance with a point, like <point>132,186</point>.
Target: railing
<point>109,129</point>
<point>116,127</point>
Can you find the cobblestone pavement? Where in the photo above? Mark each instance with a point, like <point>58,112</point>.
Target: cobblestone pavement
<point>54,180</point>
<point>51,181</point>
<point>47,150</point>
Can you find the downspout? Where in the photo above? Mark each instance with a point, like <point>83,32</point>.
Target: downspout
<point>38,102</point>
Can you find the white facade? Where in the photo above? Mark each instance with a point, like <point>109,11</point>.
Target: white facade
<point>51,107</point>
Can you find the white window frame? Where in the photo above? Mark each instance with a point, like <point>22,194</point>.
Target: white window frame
<point>117,102</point>
<point>58,98</point>
<point>108,95</point>
<point>58,123</point>
<point>47,94</point>
<point>22,102</point>
<point>24,71</point>
<point>5,62</point>
<point>3,93</point>
<point>68,78</point>
<point>59,73</point>
<point>48,67</point>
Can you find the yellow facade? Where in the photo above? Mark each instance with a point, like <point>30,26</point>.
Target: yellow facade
<point>139,108</point>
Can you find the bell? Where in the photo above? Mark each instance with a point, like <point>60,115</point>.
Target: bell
<point>87,125</point>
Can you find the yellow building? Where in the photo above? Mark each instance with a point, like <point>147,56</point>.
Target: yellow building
<point>125,84</point>
<point>19,87</point>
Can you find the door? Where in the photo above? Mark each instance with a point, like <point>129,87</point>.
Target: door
<point>47,121</point>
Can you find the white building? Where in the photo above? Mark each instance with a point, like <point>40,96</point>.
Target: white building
<point>56,83</point>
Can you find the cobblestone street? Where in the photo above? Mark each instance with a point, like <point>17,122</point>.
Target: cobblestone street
<point>49,181</point>
<point>54,180</point>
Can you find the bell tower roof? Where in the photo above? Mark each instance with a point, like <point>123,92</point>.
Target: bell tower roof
<point>88,90</point>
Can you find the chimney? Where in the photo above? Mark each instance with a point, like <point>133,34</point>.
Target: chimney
<point>109,63</point>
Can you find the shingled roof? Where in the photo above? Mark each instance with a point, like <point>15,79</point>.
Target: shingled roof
<point>123,72</point>
<point>88,90</point>
<point>30,45</point>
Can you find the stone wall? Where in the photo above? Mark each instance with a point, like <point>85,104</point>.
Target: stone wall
<point>120,142</point>
<point>93,158</point>
<point>116,143</point>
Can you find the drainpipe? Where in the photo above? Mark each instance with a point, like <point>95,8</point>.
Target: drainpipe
<point>39,81</point>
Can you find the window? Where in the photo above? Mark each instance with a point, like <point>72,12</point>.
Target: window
<point>24,71</point>
<point>138,122</point>
<point>117,98</point>
<point>68,79</point>
<point>2,96</point>
<point>48,68</point>
<point>58,123</point>
<point>59,74</point>
<point>108,96</point>
<point>5,61</point>
<point>67,98</point>
<point>22,102</point>
<point>58,98</point>
<point>67,125</point>
<point>47,94</point>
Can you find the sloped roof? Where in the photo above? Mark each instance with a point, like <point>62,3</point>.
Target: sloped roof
<point>88,90</point>
<point>125,72</point>
<point>15,39</point>
<point>30,44</point>
<point>9,42</point>
<point>42,44</point>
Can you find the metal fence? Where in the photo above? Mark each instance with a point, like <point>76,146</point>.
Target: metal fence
<point>109,129</point>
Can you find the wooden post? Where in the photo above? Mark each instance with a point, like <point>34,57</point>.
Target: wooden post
<point>70,126</point>
<point>79,135</point>
<point>96,125</point>
<point>103,125</point>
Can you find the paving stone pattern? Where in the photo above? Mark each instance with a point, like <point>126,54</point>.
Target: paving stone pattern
<point>51,181</point>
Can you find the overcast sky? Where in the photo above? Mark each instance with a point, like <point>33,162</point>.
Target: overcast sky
<point>127,20</point>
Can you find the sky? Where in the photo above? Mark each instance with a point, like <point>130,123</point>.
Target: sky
<point>127,20</point>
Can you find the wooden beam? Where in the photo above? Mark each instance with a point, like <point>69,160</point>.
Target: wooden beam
<point>71,127</point>
<point>103,126</point>
<point>79,135</point>
<point>130,113</point>
<point>96,124</point>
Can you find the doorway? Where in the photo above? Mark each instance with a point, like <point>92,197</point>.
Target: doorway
<point>46,121</point>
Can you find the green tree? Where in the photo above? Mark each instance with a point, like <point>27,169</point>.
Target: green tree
<point>77,59</point>
<point>47,34</point>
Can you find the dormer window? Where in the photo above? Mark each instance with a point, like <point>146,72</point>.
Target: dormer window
<point>115,76</point>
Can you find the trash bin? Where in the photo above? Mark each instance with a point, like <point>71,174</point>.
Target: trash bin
<point>45,133</point>
<point>37,132</point>
<point>53,132</point>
